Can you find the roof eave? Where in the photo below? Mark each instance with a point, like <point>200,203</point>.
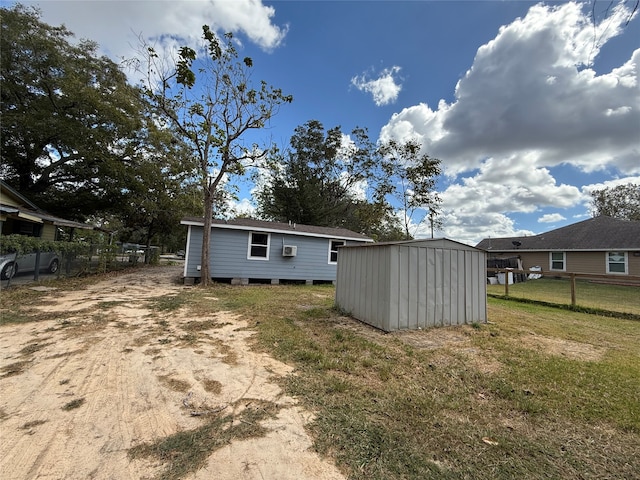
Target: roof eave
<point>299,233</point>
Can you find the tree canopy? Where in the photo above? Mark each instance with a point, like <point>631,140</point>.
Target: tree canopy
<point>68,117</point>
<point>621,202</point>
<point>83,143</point>
<point>413,182</point>
<point>329,178</point>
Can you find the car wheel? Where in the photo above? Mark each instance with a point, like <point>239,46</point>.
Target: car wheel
<point>8,271</point>
<point>53,266</point>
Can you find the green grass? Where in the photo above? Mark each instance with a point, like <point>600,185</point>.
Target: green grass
<point>168,303</point>
<point>615,298</point>
<point>539,392</point>
<point>562,386</point>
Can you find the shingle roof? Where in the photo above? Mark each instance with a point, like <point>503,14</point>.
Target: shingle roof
<point>299,229</point>
<point>599,233</point>
<point>32,210</point>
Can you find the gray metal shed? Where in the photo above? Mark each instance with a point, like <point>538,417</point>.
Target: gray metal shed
<point>413,284</point>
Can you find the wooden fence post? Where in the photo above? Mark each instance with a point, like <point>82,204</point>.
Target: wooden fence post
<point>572,276</point>
<point>506,283</point>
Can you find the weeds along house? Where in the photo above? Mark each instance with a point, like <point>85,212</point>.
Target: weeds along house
<point>600,246</point>
<point>413,285</point>
<point>246,251</point>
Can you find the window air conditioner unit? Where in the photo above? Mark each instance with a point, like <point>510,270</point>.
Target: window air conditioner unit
<point>289,250</point>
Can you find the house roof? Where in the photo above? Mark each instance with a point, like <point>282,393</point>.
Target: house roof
<point>23,208</point>
<point>280,227</point>
<point>20,199</point>
<point>599,234</point>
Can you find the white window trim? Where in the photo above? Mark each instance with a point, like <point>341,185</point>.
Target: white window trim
<point>249,257</point>
<point>344,242</point>
<point>564,262</point>
<point>626,263</point>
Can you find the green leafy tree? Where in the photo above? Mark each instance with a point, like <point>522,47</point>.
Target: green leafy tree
<point>411,181</point>
<point>208,101</point>
<point>305,191</point>
<point>328,181</point>
<point>162,195</point>
<point>323,180</point>
<point>68,116</point>
<point>621,202</point>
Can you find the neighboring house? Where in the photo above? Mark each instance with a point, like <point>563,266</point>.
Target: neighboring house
<point>600,245</point>
<point>246,250</point>
<point>18,215</point>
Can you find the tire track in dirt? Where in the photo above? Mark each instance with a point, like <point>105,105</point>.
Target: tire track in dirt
<point>134,375</point>
<point>34,406</point>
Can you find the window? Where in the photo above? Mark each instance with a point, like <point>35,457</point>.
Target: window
<point>557,261</point>
<point>258,246</point>
<point>616,262</point>
<point>333,250</point>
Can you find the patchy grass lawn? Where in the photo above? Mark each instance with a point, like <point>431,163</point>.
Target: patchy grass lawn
<point>589,294</point>
<point>538,392</point>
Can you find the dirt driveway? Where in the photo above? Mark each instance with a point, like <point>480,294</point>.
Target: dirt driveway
<point>80,389</point>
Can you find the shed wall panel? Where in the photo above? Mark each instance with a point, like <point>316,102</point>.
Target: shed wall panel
<point>394,276</point>
<point>439,287</point>
<point>422,286</point>
<point>431,290</point>
<point>402,289</point>
<point>404,286</point>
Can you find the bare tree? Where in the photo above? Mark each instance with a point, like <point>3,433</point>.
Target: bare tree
<point>415,177</point>
<point>207,99</point>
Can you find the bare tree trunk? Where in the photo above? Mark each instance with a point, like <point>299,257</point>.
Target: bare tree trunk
<point>205,274</point>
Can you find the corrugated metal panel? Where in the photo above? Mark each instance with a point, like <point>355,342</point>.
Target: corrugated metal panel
<point>409,286</point>
<point>430,291</point>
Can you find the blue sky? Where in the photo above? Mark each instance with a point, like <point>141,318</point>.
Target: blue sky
<point>529,106</point>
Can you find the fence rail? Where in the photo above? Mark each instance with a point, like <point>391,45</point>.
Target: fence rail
<point>609,292</point>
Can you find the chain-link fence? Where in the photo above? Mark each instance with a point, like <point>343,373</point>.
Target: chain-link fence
<point>81,260</point>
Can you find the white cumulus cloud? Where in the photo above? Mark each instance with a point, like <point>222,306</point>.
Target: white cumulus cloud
<point>551,218</point>
<point>531,101</point>
<point>384,89</point>
<point>164,22</point>
<point>531,90</point>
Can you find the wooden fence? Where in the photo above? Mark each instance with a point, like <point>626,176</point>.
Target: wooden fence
<point>611,292</point>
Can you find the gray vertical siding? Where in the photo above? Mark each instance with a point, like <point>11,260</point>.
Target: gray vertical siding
<point>413,285</point>
<point>228,256</point>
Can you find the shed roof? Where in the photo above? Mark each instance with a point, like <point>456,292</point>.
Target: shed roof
<point>421,242</point>
<point>280,227</point>
<point>598,233</point>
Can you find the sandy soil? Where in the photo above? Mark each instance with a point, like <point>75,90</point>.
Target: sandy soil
<point>104,375</point>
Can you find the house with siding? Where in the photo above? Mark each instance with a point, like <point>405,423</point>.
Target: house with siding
<point>19,215</point>
<point>246,251</point>
<point>600,245</point>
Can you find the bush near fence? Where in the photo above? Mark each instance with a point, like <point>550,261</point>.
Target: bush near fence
<point>79,258</point>
<point>613,293</point>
